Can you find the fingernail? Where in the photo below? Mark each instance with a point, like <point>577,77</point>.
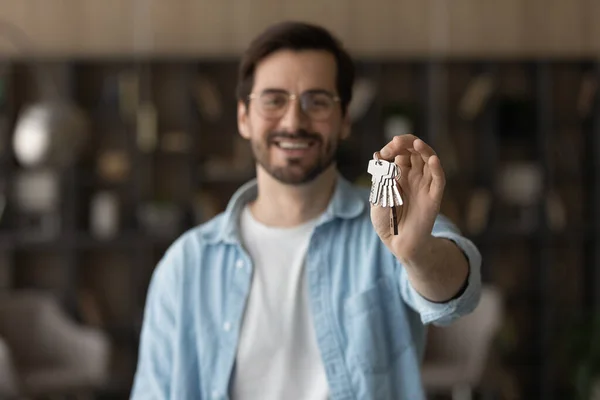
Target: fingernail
<point>384,153</point>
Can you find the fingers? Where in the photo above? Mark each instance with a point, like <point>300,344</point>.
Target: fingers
<point>403,161</point>
<point>397,146</point>
<point>406,145</point>
<point>423,149</point>
<point>412,154</point>
<point>417,162</point>
<point>438,181</point>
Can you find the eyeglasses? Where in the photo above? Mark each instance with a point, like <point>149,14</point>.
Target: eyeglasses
<point>316,104</point>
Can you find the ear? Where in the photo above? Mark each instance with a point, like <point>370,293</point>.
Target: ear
<point>242,120</point>
<point>346,126</point>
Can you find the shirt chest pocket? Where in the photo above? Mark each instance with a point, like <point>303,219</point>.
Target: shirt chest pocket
<point>377,326</point>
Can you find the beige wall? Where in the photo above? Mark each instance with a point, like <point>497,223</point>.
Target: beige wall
<point>368,27</point>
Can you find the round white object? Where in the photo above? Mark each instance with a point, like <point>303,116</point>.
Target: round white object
<point>50,134</point>
<point>32,136</point>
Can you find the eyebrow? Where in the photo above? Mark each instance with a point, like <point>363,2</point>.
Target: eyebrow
<point>312,91</point>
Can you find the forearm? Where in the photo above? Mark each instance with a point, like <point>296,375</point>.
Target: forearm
<point>437,270</point>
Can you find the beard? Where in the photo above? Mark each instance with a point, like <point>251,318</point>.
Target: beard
<point>296,171</point>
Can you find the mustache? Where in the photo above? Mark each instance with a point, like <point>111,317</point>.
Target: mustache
<point>300,134</point>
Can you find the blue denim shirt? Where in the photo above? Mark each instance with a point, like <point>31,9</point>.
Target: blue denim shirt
<point>369,321</point>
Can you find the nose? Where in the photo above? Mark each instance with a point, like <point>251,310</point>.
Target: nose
<point>294,117</point>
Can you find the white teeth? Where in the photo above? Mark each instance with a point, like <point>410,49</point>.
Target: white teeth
<point>293,145</point>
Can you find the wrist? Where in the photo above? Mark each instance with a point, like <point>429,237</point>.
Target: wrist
<point>418,252</point>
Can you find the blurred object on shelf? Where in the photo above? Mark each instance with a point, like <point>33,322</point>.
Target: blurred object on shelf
<point>476,96</point>
<point>587,94</point>
<point>363,95</point>
<point>458,356</point>
<point>128,92</point>
<point>208,98</point>
<point>206,206</point>
<point>147,127</point>
<point>43,125</point>
<point>521,183</point>
<point>36,202</point>
<point>520,186</point>
<point>104,215</point>
<point>567,147</point>
<point>397,125</point>
<point>41,131</point>
<point>478,211</point>
<point>176,142</point>
<point>113,166</point>
<point>55,356</point>
<point>399,119</point>
<point>555,212</point>
<point>160,218</point>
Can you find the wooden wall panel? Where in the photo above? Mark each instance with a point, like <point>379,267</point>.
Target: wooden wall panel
<point>500,27</point>
<point>193,26</point>
<point>368,27</point>
<point>106,26</point>
<point>388,26</point>
<point>553,26</point>
<point>249,17</point>
<point>333,14</point>
<point>592,27</point>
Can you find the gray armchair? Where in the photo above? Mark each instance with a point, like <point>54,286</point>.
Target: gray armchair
<point>8,375</point>
<point>44,352</point>
<point>458,356</point>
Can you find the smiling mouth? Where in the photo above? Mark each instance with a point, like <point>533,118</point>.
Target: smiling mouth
<point>293,145</point>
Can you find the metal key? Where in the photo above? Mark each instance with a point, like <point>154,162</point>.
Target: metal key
<point>379,170</point>
<point>392,191</point>
<point>384,188</point>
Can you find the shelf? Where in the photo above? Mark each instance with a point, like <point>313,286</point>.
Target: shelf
<point>82,241</point>
<point>560,142</point>
<point>510,235</point>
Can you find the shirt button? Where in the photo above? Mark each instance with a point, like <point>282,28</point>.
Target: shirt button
<point>239,264</point>
<point>227,326</point>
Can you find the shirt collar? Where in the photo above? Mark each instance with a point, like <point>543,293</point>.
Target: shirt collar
<point>346,203</point>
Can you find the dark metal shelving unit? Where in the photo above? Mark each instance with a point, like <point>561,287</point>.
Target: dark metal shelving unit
<point>544,259</point>
<point>142,249</point>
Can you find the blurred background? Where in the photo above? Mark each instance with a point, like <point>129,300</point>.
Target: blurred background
<point>118,132</point>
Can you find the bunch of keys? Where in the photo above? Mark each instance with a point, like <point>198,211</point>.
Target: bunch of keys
<point>384,187</point>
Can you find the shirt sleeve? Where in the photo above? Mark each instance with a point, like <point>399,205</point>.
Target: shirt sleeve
<point>445,313</point>
<point>153,374</point>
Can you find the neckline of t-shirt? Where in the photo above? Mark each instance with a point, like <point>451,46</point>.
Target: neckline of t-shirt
<point>247,213</point>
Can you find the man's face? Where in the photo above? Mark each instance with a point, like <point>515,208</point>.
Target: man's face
<point>294,139</point>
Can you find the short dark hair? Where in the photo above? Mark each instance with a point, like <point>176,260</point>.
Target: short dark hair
<point>292,35</point>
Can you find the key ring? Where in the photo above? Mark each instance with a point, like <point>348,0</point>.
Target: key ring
<point>378,161</point>
<point>376,157</point>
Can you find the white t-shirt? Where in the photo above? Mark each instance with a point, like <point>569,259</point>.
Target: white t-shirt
<point>277,356</point>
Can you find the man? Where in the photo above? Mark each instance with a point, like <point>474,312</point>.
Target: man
<point>299,290</point>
